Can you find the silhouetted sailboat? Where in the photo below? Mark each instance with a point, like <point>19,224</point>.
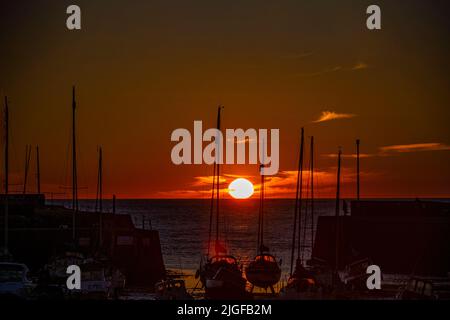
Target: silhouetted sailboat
<point>27,167</point>
<point>221,275</point>
<point>263,271</point>
<point>6,163</point>
<point>301,279</point>
<point>99,198</point>
<point>298,211</point>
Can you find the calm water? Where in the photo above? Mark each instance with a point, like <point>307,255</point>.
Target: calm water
<point>183,226</point>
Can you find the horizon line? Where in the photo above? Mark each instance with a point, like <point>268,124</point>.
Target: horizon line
<point>281,198</point>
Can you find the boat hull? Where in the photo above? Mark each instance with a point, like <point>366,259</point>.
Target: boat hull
<point>262,273</point>
<point>222,279</point>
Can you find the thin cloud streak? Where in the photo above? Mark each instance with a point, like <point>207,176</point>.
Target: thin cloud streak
<point>415,147</point>
<point>360,66</point>
<point>356,67</point>
<point>351,156</point>
<point>299,55</point>
<point>395,149</point>
<point>319,73</point>
<point>331,115</point>
<point>242,141</point>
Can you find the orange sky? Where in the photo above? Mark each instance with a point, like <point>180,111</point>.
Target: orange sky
<point>145,68</point>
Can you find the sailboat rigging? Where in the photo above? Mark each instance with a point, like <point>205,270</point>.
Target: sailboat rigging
<point>301,279</point>
<point>337,224</point>
<point>38,172</point>
<point>357,169</point>
<point>74,169</point>
<point>298,204</point>
<point>308,219</point>
<point>221,275</point>
<point>263,271</point>
<point>6,162</point>
<point>27,166</point>
<point>99,196</point>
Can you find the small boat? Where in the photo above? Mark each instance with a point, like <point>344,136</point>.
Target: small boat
<point>220,274</point>
<point>263,271</point>
<point>95,282</point>
<point>99,280</point>
<point>14,282</point>
<point>172,289</point>
<point>354,275</point>
<point>417,289</point>
<point>222,278</point>
<point>425,288</point>
<point>56,269</point>
<point>304,282</point>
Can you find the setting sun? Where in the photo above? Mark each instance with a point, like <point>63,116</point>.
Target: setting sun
<point>240,188</point>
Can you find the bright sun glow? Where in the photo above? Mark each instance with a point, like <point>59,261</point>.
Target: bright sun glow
<point>240,188</point>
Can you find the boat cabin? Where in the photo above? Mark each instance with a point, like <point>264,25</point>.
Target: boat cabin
<point>265,258</point>
<point>224,259</point>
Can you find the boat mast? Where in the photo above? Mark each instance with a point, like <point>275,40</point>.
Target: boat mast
<point>27,166</point>
<point>6,144</point>
<point>211,209</point>
<point>298,202</point>
<point>6,174</point>
<point>74,167</point>
<point>261,215</point>
<point>38,171</point>
<point>99,198</point>
<point>312,193</point>
<point>337,231</point>
<point>218,155</point>
<point>357,169</point>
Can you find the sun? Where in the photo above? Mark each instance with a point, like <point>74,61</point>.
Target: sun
<point>240,188</point>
